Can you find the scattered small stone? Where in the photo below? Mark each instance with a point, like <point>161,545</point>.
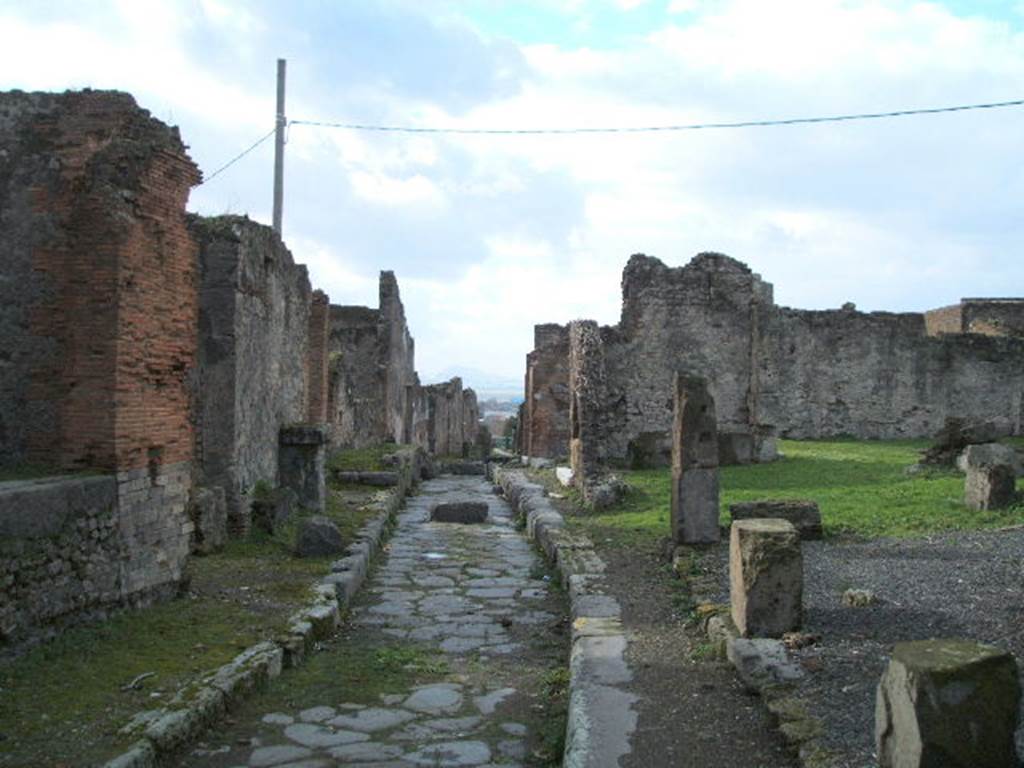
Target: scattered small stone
<point>316,714</point>
<point>489,702</point>
<point>859,598</point>
<point>278,718</point>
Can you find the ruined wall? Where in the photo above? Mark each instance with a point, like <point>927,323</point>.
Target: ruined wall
<point>446,418</point>
<point>255,309</point>
<point>396,359</point>
<point>879,375</point>
<point>98,320</point>
<point>317,343</point>
<point>944,320</point>
<point>547,385</point>
<point>773,370</point>
<point>470,418</point>
<point>990,317</point>
<point>372,380</point>
<point>356,402</point>
<point>994,317</point>
<point>592,413</point>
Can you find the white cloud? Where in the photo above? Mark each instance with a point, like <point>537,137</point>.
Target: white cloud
<point>415,190</point>
<point>683,6</point>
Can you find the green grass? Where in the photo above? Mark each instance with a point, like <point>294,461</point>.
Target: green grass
<point>37,471</point>
<point>63,702</point>
<point>860,486</point>
<point>368,459</point>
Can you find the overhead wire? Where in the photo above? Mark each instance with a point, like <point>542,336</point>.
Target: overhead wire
<point>613,130</point>
<point>658,128</point>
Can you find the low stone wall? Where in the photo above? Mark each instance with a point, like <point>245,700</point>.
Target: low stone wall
<point>601,718</point>
<point>91,545</point>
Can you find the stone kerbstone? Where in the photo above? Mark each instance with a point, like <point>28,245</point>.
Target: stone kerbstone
<point>694,463</point>
<point>459,512</point>
<point>317,537</point>
<point>765,577</point>
<point>948,703</point>
<point>804,515</point>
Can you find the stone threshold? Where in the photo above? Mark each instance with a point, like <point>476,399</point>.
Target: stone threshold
<point>601,718</point>
<point>165,731</point>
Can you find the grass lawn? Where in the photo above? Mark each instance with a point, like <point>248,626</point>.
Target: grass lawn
<point>860,486</point>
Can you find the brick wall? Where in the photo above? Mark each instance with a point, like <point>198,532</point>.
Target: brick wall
<point>99,287</point>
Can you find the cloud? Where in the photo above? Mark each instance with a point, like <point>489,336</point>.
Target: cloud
<point>489,235</point>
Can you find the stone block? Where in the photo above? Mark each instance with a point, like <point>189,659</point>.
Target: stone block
<point>765,577</point>
<point>302,465</point>
<point>318,537</point>
<point>991,481</point>
<point>694,462</point>
<point>948,703</point>
<point>695,507</point>
<point>804,515</point>
<point>271,511</point>
<point>208,512</point>
<point>459,512</point>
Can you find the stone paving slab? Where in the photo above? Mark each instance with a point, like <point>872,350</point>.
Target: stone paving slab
<point>474,592</point>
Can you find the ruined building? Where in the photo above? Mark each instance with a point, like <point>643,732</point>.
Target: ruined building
<point>604,393</point>
<point>159,356</point>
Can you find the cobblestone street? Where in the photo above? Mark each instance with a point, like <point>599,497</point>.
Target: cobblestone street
<point>479,598</point>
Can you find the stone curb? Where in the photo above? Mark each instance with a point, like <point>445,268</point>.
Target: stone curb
<point>601,717</point>
<point>764,668</point>
<point>166,730</point>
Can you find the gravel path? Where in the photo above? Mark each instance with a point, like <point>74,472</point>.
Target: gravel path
<point>956,585</point>
<point>478,594</point>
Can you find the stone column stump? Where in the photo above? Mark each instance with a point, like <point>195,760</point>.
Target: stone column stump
<point>991,476</point>
<point>694,462</point>
<point>301,461</point>
<point>766,581</point>
<point>948,703</point>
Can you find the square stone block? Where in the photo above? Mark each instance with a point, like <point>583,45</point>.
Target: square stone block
<point>765,577</point>
<point>459,512</point>
<point>947,704</point>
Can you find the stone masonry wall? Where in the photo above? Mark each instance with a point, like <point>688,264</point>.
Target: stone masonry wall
<point>547,382</point>
<point>316,357</point>
<point>994,317</point>
<point>99,295</point>
<point>396,359</point>
<point>355,408</point>
<point>255,308</point>
<point>775,370</point>
<point>944,320</point>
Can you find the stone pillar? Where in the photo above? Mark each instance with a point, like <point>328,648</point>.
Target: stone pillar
<point>991,476</point>
<point>950,703</point>
<point>301,464</point>
<point>766,580</point>
<point>694,463</point>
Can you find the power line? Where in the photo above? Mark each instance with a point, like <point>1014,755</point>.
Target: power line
<point>238,157</point>
<point>633,129</point>
<point>657,128</point>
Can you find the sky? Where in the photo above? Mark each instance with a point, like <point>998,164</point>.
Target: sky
<point>489,235</point>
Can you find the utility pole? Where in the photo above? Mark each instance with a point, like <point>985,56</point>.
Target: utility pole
<point>282,122</point>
